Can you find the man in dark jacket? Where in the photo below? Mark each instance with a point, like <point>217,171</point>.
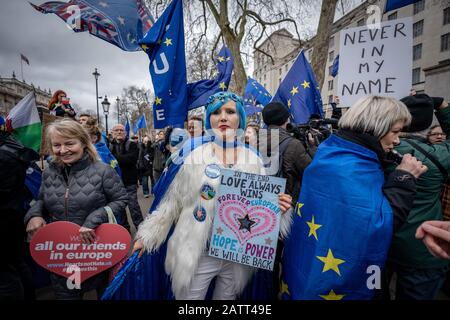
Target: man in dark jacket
<point>15,277</point>
<point>294,160</point>
<point>126,152</point>
<point>419,274</point>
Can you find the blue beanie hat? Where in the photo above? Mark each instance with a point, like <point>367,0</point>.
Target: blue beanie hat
<point>218,100</point>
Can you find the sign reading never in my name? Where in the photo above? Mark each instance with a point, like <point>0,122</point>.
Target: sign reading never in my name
<point>375,61</point>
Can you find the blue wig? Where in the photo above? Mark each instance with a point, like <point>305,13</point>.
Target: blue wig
<point>218,100</point>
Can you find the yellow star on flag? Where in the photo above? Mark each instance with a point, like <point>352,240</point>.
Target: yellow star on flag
<point>332,296</point>
<point>228,58</point>
<point>289,103</point>
<point>294,90</point>
<point>305,84</point>
<point>330,262</point>
<point>222,86</point>
<point>168,42</point>
<point>284,288</point>
<point>144,47</point>
<point>299,206</point>
<point>313,228</point>
<point>221,59</point>
<point>158,100</point>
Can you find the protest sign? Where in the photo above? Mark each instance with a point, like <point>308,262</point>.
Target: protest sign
<point>247,219</point>
<point>58,248</point>
<point>375,60</point>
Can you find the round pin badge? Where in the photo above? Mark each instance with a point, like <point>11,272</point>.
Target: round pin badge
<point>207,192</point>
<point>199,214</point>
<point>212,171</point>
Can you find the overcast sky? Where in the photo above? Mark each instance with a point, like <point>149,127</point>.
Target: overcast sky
<point>62,59</point>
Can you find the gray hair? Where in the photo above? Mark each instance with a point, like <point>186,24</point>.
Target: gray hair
<point>375,115</point>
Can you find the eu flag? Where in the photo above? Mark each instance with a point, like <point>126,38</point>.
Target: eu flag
<point>141,123</point>
<point>127,128</point>
<point>335,67</point>
<point>120,22</point>
<point>395,4</point>
<point>299,91</point>
<point>342,226</point>
<point>164,45</point>
<point>200,91</point>
<point>255,93</point>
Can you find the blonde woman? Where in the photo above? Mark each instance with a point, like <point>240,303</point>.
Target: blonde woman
<point>76,187</point>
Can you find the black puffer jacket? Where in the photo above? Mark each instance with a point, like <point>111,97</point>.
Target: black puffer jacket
<point>90,187</point>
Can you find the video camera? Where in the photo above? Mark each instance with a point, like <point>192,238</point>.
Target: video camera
<point>316,127</point>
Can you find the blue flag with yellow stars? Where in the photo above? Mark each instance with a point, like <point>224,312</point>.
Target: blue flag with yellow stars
<point>255,93</point>
<point>107,157</point>
<point>339,241</point>
<point>200,91</point>
<point>335,67</point>
<point>164,45</point>
<point>395,4</point>
<point>299,91</point>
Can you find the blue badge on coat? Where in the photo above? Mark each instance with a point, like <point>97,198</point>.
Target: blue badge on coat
<point>212,171</point>
<point>207,192</point>
<point>199,214</point>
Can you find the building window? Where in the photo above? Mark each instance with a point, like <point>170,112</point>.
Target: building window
<point>331,44</point>
<point>418,28</point>
<point>330,85</point>
<point>331,56</point>
<point>392,16</point>
<point>419,6</point>
<point>286,67</point>
<point>360,23</point>
<point>417,52</point>
<point>280,71</point>
<point>416,76</point>
<point>447,16</point>
<point>265,76</point>
<point>330,70</point>
<point>445,42</point>
<point>330,99</point>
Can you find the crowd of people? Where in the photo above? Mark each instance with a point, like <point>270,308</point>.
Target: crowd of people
<point>376,191</point>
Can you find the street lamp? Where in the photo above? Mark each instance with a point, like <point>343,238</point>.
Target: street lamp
<point>105,105</point>
<point>118,110</point>
<point>96,75</point>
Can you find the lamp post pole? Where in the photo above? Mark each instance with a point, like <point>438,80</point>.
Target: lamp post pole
<point>105,105</point>
<point>96,74</point>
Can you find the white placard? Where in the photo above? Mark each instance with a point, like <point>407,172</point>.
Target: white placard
<point>375,61</point>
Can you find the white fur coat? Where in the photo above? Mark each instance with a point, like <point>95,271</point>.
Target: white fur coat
<point>190,236</point>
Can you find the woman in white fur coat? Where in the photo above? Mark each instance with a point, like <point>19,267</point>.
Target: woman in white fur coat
<point>188,206</point>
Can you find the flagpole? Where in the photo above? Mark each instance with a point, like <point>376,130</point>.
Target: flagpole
<point>21,67</point>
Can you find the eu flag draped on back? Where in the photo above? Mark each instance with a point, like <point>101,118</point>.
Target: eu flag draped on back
<point>141,123</point>
<point>395,4</point>
<point>299,91</point>
<point>120,22</point>
<point>164,45</point>
<point>200,91</point>
<point>337,239</point>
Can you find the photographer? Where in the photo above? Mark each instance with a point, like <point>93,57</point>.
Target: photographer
<point>59,105</point>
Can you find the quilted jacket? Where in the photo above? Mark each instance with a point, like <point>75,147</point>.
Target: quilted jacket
<point>90,187</point>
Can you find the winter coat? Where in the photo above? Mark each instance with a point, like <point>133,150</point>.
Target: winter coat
<point>81,200</point>
<point>126,154</point>
<point>406,250</point>
<point>295,161</point>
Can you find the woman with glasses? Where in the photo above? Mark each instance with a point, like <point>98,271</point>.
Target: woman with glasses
<point>436,135</point>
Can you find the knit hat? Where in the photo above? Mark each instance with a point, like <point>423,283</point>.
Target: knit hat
<point>275,113</point>
<point>437,102</point>
<point>421,108</point>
